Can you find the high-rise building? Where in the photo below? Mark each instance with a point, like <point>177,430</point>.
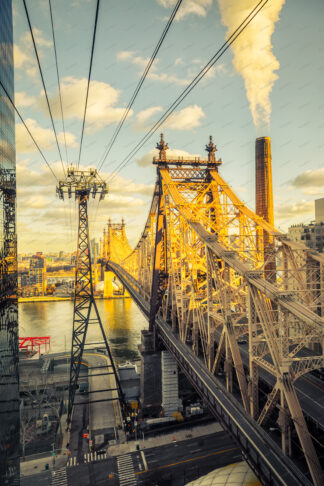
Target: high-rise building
<point>319,210</point>
<point>9,380</point>
<point>37,273</point>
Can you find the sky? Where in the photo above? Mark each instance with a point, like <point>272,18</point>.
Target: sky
<point>269,83</point>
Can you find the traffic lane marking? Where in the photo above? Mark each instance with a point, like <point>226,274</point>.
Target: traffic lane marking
<point>189,460</point>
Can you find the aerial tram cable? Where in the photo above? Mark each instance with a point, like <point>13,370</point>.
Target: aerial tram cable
<point>139,85</point>
<point>58,78</point>
<point>190,87</point>
<point>89,78</point>
<point>29,132</point>
<point>43,82</point>
<point>68,221</point>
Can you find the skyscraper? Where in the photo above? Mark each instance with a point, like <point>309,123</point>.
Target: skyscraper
<point>9,390</point>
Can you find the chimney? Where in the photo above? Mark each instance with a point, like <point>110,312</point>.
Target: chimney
<point>263,179</point>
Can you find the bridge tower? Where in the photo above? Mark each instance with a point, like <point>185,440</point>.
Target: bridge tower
<point>83,183</point>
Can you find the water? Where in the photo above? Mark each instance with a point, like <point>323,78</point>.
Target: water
<point>121,319</point>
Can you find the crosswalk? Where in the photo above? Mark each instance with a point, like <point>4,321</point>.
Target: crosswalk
<point>126,470</point>
<point>88,457</point>
<point>59,477</point>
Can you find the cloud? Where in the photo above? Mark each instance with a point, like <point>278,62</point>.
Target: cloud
<point>40,40</point>
<point>253,56</point>
<point>147,159</point>
<point>188,7</point>
<point>101,110</point>
<point>43,136</point>
<point>22,99</point>
<point>185,119</point>
<point>310,178</point>
<point>132,58</point>
<point>24,57</point>
<point>24,60</point>
<point>143,116</point>
<point>44,220</point>
<point>293,210</point>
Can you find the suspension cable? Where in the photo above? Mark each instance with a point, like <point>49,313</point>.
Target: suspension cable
<point>29,132</point>
<point>139,85</point>
<point>89,78</point>
<point>190,87</point>
<point>58,79</point>
<point>43,82</point>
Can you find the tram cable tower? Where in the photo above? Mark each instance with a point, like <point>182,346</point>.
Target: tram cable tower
<point>82,184</point>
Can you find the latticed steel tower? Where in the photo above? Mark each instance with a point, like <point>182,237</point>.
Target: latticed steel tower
<point>82,184</point>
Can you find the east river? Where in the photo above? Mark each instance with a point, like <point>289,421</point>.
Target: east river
<point>121,319</point>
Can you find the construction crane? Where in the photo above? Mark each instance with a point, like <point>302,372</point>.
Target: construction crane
<point>82,184</point>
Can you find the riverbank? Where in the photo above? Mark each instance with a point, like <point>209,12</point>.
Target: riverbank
<point>50,298</point>
<point>42,298</point>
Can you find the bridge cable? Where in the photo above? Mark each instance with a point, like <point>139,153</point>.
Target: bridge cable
<point>139,85</point>
<point>190,87</point>
<point>58,78</point>
<point>43,82</point>
<point>89,77</point>
<point>29,132</point>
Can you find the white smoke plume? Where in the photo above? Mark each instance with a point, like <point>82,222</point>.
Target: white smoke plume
<point>253,56</point>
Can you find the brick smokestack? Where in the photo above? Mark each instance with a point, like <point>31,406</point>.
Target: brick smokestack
<point>263,179</point>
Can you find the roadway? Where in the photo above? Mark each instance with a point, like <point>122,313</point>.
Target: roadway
<point>181,462</point>
<point>105,419</point>
<point>100,419</point>
<point>173,464</point>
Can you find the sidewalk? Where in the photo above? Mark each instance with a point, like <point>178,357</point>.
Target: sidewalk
<point>179,435</point>
<point>34,465</point>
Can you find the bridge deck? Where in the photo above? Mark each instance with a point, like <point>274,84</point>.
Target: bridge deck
<point>261,452</point>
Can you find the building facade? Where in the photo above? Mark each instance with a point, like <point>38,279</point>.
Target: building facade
<point>37,273</point>
<point>9,378</point>
<point>311,235</point>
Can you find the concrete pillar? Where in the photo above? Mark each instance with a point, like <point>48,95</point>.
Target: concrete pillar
<point>170,384</point>
<point>150,381</point>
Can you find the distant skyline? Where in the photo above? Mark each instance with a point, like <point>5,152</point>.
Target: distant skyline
<point>289,68</point>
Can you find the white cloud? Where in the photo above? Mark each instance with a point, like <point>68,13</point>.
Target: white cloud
<point>40,40</point>
<point>125,55</point>
<point>147,159</point>
<point>185,119</point>
<point>143,116</point>
<point>24,60</point>
<point>44,220</point>
<point>22,99</point>
<point>154,74</point>
<point>293,210</point>
<point>24,57</point>
<point>43,136</point>
<point>178,61</point>
<point>101,110</point>
<point>188,7</point>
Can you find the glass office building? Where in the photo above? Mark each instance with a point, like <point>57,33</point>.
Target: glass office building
<point>9,382</point>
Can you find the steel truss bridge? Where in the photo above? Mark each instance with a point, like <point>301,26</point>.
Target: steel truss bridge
<point>227,293</point>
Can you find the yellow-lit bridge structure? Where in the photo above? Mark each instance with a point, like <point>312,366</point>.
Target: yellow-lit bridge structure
<point>228,294</point>
<point>114,246</point>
